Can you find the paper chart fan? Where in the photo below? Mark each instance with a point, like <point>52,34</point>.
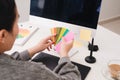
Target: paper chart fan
<point>61,32</point>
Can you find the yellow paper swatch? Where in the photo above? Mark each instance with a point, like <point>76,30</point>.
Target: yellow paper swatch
<point>77,44</point>
<point>85,34</point>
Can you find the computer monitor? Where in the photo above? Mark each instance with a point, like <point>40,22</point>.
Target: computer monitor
<point>83,13</point>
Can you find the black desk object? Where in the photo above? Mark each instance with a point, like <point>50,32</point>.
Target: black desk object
<point>51,62</point>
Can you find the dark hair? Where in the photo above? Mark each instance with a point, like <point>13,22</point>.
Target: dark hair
<point>7,14</point>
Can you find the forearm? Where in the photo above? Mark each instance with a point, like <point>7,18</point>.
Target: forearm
<point>32,51</point>
<point>21,56</point>
<point>67,70</point>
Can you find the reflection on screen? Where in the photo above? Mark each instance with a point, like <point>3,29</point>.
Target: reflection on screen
<point>79,12</point>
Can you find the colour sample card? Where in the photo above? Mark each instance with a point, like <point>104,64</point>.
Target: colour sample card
<point>25,32</point>
<point>77,44</point>
<point>61,32</point>
<point>85,34</point>
<point>54,31</point>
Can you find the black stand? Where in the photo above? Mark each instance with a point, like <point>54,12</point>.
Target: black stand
<point>92,47</point>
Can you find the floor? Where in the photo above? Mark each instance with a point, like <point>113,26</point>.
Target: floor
<point>113,25</point>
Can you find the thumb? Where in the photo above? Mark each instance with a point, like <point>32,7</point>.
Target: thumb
<point>50,43</point>
<point>63,39</point>
<point>71,42</point>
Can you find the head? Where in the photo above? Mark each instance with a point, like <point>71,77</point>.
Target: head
<point>8,24</point>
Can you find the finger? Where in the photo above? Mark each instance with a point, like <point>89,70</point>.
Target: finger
<point>48,49</point>
<point>53,38</point>
<point>50,37</point>
<point>50,46</point>
<point>63,39</point>
<point>71,42</point>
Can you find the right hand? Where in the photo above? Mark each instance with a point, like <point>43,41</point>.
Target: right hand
<point>65,47</point>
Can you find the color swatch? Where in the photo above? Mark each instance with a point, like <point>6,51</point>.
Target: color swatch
<point>23,33</point>
<point>61,32</point>
<point>26,30</point>
<point>85,34</point>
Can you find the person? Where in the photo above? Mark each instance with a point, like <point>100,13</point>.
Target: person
<point>17,66</point>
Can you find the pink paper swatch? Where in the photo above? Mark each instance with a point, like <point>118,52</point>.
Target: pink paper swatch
<point>69,36</point>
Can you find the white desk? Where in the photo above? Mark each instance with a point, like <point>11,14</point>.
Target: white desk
<point>108,42</point>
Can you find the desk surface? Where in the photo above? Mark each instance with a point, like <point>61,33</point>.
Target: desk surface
<point>108,42</point>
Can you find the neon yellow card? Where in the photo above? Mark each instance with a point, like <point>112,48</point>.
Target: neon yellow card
<point>62,33</point>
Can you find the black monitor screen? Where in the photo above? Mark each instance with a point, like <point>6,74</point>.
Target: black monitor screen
<point>78,12</point>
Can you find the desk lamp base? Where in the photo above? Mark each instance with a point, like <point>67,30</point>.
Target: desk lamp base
<point>90,59</point>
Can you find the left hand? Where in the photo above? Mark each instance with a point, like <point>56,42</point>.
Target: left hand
<point>45,43</point>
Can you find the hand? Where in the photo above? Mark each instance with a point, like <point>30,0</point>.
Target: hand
<point>45,43</point>
<point>65,47</point>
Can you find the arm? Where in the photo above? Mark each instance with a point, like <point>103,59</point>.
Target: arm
<point>29,53</point>
<point>67,70</point>
<point>21,56</point>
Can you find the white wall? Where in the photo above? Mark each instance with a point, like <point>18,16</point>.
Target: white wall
<point>109,9</point>
<point>23,9</point>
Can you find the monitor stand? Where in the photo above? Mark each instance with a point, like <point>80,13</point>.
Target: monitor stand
<point>91,47</point>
